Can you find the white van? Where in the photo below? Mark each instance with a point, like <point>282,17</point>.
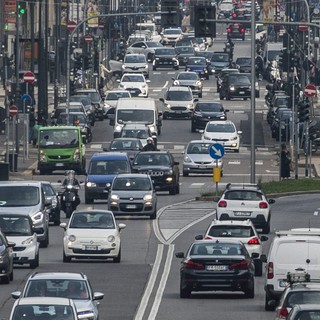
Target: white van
<point>136,110</point>
<point>271,52</point>
<point>151,26</point>
<point>295,250</point>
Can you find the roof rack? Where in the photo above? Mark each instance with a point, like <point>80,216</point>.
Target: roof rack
<point>300,276</point>
<point>243,185</point>
<point>302,231</point>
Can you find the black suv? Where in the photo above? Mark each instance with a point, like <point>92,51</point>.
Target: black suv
<point>205,111</point>
<point>162,168</point>
<point>165,58</point>
<point>235,86</point>
<point>236,31</point>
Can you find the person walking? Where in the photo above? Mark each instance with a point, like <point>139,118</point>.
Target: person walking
<point>285,162</point>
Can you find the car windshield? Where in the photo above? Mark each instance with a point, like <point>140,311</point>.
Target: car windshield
<point>187,76</point>
<point>165,52</point>
<point>239,80</point>
<point>209,107</point>
<point>172,31</point>
<point>132,78</point>
<point>92,220</point>
<point>108,167</point>
<point>136,115</point>
<point>93,96</point>
<point>15,226</point>
<point>131,184</point>
<point>308,315</point>
<point>117,95</point>
<point>189,50</point>
<point>152,159</point>
<point>63,288</point>
<point>198,148</point>
<point>179,95</point>
<point>282,102</point>
<point>84,100</point>
<point>201,249</point>
<point>273,54</point>
<point>246,195</point>
<point>75,119</point>
<point>135,59</point>
<point>205,54</point>
<point>125,145</point>
<point>220,127</point>
<point>153,44</point>
<point>62,138</point>
<point>231,231</point>
<point>19,196</point>
<point>226,6</point>
<point>43,311</point>
<point>243,61</point>
<point>197,61</point>
<point>302,297</point>
<point>218,57</point>
<point>134,133</point>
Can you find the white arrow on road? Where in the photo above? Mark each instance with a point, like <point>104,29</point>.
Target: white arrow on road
<point>217,151</point>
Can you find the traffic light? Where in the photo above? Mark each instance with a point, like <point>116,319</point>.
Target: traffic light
<point>304,110</point>
<point>88,62</point>
<point>22,8</point>
<point>170,17</point>
<point>77,62</point>
<point>203,24</point>
<point>283,60</point>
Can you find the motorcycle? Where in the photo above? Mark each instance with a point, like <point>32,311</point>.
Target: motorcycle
<point>70,199</point>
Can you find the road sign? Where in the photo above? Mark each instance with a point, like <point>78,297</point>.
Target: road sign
<point>13,110</point>
<point>88,38</point>
<point>27,99</point>
<point>71,25</point>
<point>29,77</point>
<point>216,151</point>
<point>310,90</point>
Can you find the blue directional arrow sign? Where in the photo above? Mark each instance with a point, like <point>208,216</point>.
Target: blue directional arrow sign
<point>216,151</point>
<point>27,99</point>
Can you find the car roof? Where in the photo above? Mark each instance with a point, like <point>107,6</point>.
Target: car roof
<point>228,240</point>
<point>135,126</point>
<point>155,152</point>
<point>306,307</point>
<point>19,183</point>
<point>44,301</point>
<point>243,186</point>
<point>133,74</point>
<point>90,211</point>
<point>110,156</point>
<point>132,175</point>
<point>216,222</point>
<point>87,90</point>
<point>200,141</point>
<point>221,122</point>
<point>57,275</point>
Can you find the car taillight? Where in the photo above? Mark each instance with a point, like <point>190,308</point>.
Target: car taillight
<point>208,238</point>
<point>263,205</point>
<point>270,270</point>
<point>189,264</point>
<point>229,30</point>
<point>222,204</point>
<point>234,15</point>
<point>242,30</point>
<point>241,265</point>
<point>254,240</point>
<point>283,313</point>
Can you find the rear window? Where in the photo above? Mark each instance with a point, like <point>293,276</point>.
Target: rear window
<point>302,297</point>
<point>243,195</point>
<point>231,231</point>
<point>18,196</point>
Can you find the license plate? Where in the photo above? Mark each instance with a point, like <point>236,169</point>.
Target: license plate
<point>283,283</point>
<point>94,248</point>
<point>242,213</point>
<point>202,167</point>
<point>132,91</point>
<point>241,92</point>
<point>131,206</point>
<point>59,164</point>
<point>217,268</point>
<point>178,111</point>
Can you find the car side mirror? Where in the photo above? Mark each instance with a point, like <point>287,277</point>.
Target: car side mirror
<point>263,258</point>
<point>179,255</point>
<point>48,201</point>
<point>264,238</point>
<point>148,81</point>
<point>226,110</point>
<point>271,201</point>
<point>199,237</point>
<point>201,131</point>
<point>161,99</point>
<point>98,295</point>
<point>121,226</point>
<point>255,255</point>
<point>195,100</point>
<point>16,294</point>
<point>63,225</point>
<point>176,163</point>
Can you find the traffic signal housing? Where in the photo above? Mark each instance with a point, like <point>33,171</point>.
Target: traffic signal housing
<point>22,8</point>
<point>171,17</point>
<point>204,26</point>
<point>304,109</point>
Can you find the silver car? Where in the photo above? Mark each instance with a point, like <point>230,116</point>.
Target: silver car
<point>75,286</point>
<point>198,160</point>
<point>133,194</point>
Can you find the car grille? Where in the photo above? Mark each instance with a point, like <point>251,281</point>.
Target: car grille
<point>132,199</point>
<point>96,252</point>
<point>19,248</point>
<point>200,162</point>
<point>178,108</point>
<point>153,173</point>
<point>123,207</point>
<point>134,91</point>
<point>101,185</point>
<point>59,157</point>
<point>215,139</point>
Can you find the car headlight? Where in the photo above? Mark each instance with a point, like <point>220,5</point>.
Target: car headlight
<point>168,106</point>
<point>123,66</point>
<point>169,179</point>
<point>146,66</point>
<point>114,197</point>
<point>152,129</point>
<point>90,184</point>
<point>147,198</point>
<point>144,86</point>
<point>188,69</point>
<point>111,238</point>
<point>27,241</point>
<point>108,185</point>
<point>170,172</point>
<point>118,128</point>
<point>190,106</point>
<point>157,59</point>
<point>187,159</point>
<point>176,83</point>
<point>249,87</point>
<point>198,83</point>
<point>234,138</point>
<point>37,217</point>
<point>72,238</point>
<point>174,59</point>
<point>231,88</point>
<point>122,86</point>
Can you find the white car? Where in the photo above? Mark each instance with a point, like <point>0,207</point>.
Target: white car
<point>111,100</point>
<point>242,201</point>
<point>223,132</point>
<point>145,47</point>
<point>135,83</point>
<point>171,36</point>
<point>92,233</point>
<point>239,230</point>
<point>135,63</point>
<point>18,228</point>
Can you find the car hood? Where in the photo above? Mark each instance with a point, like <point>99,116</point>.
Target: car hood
<point>165,56</point>
<point>131,193</point>
<point>201,157</point>
<point>83,305</point>
<point>25,210</point>
<point>84,236</point>
<point>134,65</point>
<point>212,114</point>
<point>218,136</point>
<point>196,67</point>
<point>220,63</point>
<point>107,178</point>
<point>188,82</point>
<point>133,84</point>
<point>174,103</point>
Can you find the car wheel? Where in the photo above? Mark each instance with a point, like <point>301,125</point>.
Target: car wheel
<point>207,77</point>
<point>176,68</point>
<point>267,305</point>
<point>221,97</point>
<point>154,214</point>
<point>185,173</point>
<point>266,229</point>
<point>88,200</point>
<point>35,263</point>
<point>258,267</point>
<point>236,150</point>
<point>159,131</point>
<point>11,276</point>
<point>65,258</point>
<point>249,293</point>
<point>178,188</point>
<point>44,243</point>
<point>245,99</point>
<point>200,95</point>
<point>6,279</point>
<point>185,293</point>
<point>117,259</point>
<point>154,68</point>
<point>193,127</point>
<point>173,191</point>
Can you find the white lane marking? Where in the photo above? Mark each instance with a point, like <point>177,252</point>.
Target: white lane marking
<point>157,90</point>
<point>197,184</point>
<point>316,213</point>
<point>234,162</point>
<point>168,233</point>
<point>162,284</point>
<point>150,285</point>
<point>259,163</point>
<point>165,85</point>
<point>177,147</point>
<point>96,146</point>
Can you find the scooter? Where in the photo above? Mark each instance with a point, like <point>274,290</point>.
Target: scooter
<point>70,199</point>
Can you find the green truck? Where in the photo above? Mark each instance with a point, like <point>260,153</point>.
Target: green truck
<point>61,148</point>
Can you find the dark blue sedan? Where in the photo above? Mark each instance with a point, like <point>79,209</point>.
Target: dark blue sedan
<point>199,65</point>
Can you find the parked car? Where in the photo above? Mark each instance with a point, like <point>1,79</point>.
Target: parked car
<point>95,234</point>
<point>133,194</point>
<point>220,265</point>
<point>162,168</point>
